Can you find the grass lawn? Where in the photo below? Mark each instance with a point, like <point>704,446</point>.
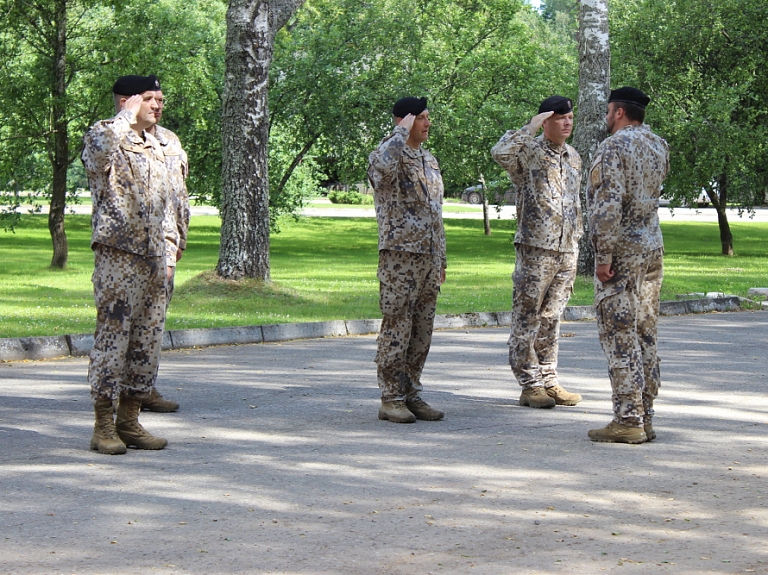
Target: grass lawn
<point>325,268</point>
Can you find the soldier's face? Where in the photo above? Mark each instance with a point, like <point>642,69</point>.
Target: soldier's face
<point>149,107</point>
<point>610,118</point>
<point>558,127</point>
<point>160,105</point>
<point>420,129</point>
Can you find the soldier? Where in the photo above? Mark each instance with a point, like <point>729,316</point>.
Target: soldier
<point>408,193</point>
<point>131,205</point>
<point>623,201</point>
<point>178,168</point>
<point>547,174</point>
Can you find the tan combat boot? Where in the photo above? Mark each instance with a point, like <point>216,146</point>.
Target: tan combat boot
<point>105,439</point>
<point>130,430</point>
<point>396,412</point>
<point>536,397</point>
<point>422,410</point>
<point>618,433</point>
<point>156,402</point>
<point>650,434</point>
<point>563,397</point>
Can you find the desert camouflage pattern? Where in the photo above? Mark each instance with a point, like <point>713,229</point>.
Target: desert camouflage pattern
<point>623,191</point>
<point>409,284</point>
<point>129,187</point>
<point>622,201</point>
<point>542,284</point>
<point>627,321</point>
<point>129,290</point>
<point>178,168</point>
<point>132,216</point>
<point>547,179</point>
<point>408,193</point>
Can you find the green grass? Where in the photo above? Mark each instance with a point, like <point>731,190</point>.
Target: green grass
<point>325,268</point>
<point>447,207</point>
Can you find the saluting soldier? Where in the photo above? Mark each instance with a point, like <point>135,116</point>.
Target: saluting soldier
<point>178,168</point>
<point>547,176</point>
<point>132,216</point>
<point>623,191</point>
<point>408,193</point>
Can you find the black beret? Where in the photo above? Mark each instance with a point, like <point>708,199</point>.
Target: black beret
<point>556,104</point>
<point>130,85</point>
<point>410,105</point>
<point>630,95</point>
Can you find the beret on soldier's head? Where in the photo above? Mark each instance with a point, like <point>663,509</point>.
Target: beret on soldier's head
<point>409,105</point>
<point>556,104</point>
<point>630,95</point>
<point>131,85</point>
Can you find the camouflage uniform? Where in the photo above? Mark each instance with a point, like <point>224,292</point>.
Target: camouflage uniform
<point>130,192</point>
<point>623,199</point>
<point>547,178</point>
<point>178,169</point>
<point>408,192</point>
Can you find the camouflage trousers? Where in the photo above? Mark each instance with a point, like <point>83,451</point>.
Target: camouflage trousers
<point>169,285</point>
<point>542,284</point>
<point>409,284</point>
<point>627,321</point>
<point>130,294</point>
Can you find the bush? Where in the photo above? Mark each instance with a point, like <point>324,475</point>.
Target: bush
<point>355,198</point>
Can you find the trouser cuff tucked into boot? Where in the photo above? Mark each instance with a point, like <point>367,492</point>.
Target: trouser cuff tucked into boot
<point>105,438</point>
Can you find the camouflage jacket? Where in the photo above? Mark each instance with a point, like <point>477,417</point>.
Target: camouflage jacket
<point>623,193</point>
<point>129,187</point>
<point>547,179</point>
<point>178,169</point>
<point>408,193</point>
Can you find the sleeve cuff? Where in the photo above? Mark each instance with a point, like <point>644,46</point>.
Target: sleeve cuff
<point>603,259</point>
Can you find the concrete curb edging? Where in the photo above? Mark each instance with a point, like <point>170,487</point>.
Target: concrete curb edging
<point>52,347</point>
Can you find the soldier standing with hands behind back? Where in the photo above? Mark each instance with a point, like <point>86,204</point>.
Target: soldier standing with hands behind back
<point>408,193</point>
<point>547,175</point>
<point>131,218</point>
<point>623,202</point>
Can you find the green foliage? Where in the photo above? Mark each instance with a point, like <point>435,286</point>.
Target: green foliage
<point>180,42</point>
<point>354,198</point>
<point>703,63</point>
<point>325,268</point>
<point>340,65</point>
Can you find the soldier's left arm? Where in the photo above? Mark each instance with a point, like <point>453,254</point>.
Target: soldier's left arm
<point>605,196</point>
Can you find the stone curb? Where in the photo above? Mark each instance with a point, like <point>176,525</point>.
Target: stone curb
<point>35,348</point>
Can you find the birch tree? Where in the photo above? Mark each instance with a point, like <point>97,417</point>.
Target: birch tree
<point>251,29</point>
<point>594,82</point>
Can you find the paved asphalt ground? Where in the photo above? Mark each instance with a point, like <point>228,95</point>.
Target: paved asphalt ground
<point>278,464</point>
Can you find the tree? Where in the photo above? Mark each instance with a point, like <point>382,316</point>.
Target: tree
<point>60,58</point>
<point>594,88</point>
<point>702,62</point>
<point>251,29</point>
<point>341,64</point>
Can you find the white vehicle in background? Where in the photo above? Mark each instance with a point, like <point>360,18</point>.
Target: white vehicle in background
<point>701,201</point>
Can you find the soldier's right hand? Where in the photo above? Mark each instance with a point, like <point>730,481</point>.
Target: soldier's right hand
<point>407,122</point>
<point>133,103</point>
<point>538,120</point>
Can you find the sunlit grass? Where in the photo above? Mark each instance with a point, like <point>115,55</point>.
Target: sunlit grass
<point>325,268</point>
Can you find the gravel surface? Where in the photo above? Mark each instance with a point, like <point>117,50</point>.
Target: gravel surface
<point>278,464</point>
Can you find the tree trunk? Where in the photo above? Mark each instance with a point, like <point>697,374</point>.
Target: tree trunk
<point>244,248</point>
<point>594,88</point>
<point>726,238</point>
<point>486,218</point>
<point>60,156</point>
<point>251,29</point>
